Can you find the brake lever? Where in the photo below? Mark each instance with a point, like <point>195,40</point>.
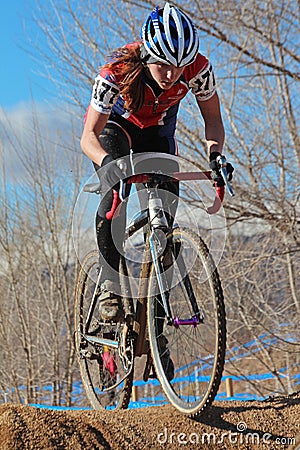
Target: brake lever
<point>123,167</point>
<point>222,163</point>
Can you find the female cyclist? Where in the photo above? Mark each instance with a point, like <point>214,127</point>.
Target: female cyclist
<point>134,105</point>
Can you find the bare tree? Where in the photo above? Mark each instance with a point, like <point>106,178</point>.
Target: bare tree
<point>38,269</point>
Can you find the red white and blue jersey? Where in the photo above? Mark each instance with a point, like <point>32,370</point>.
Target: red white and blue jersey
<point>158,108</point>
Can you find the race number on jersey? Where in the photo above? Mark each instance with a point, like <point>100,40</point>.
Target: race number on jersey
<point>104,95</point>
<point>203,85</point>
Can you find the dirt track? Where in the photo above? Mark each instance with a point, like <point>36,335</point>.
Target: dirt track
<point>268,424</point>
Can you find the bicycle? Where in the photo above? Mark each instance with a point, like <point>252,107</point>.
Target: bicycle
<point>177,322</point>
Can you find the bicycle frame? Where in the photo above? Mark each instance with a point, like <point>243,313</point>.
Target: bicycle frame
<point>157,224</point>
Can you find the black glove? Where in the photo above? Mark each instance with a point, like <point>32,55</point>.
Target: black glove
<point>216,174</point>
<point>110,174</point>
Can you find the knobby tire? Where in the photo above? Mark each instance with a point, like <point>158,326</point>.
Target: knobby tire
<point>198,354</point>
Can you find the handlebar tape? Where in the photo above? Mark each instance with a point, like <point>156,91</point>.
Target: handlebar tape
<point>220,191</point>
<point>115,203</point>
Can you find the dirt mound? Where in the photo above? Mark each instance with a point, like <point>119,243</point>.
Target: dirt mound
<point>270,424</point>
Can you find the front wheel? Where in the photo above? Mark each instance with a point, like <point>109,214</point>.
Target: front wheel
<point>188,351</point>
<point>106,370</point>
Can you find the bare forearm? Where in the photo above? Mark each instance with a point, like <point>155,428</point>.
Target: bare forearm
<point>92,148</point>
<point>90,144</point>
<point>214,129</point>
<point>215,136</point>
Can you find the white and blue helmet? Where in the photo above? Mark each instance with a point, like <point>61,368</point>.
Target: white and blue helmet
<point>169,37</point>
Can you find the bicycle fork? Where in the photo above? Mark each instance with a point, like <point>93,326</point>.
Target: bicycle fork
<point>158,244</point>
<point>160,274</point>
<point>164,287</point>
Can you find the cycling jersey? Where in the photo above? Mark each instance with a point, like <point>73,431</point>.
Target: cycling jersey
<point>160,107</point>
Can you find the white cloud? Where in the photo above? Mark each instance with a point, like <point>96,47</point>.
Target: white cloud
<point>38,133</point>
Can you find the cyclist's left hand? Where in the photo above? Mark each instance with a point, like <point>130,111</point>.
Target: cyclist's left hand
<point>216,174</point>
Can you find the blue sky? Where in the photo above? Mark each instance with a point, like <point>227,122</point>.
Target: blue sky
<point>26,96</point>
<point>19,72</point>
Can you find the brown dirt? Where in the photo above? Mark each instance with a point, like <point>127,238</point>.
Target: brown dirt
<point>270,424</point>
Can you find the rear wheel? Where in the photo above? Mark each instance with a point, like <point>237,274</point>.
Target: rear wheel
<point>106,370</point>
<point>189,353</point>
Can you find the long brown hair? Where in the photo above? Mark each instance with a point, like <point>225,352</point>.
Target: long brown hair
<point>126,64</point>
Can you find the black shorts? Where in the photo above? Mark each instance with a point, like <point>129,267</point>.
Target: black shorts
<point>120,136</point>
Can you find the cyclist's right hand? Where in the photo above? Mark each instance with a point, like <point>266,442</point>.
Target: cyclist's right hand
<point>110,174</point>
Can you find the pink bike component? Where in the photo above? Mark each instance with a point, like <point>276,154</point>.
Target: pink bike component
<point>192,321</point>
<point>109,362</point>
<point>116,201</point>
<point>220,191</point>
